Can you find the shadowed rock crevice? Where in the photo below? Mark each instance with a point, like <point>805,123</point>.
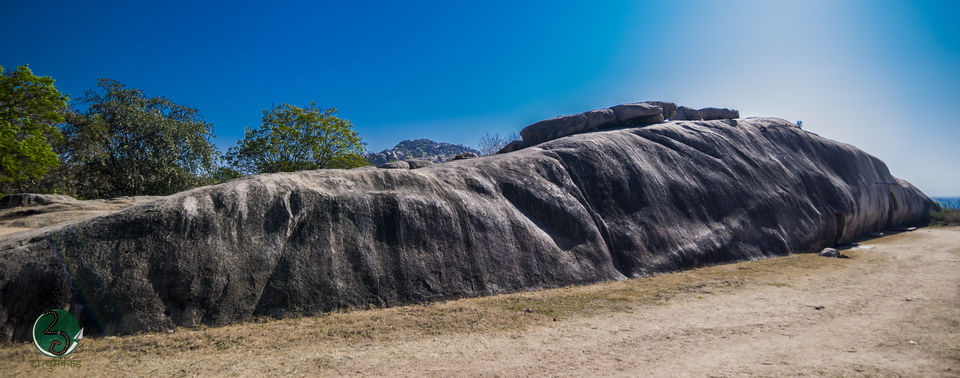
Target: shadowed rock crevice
<point>582,208</point>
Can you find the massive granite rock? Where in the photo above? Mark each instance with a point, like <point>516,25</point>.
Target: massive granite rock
<point>584,208</point>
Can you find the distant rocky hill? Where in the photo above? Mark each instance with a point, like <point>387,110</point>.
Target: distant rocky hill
<point>425,149</point>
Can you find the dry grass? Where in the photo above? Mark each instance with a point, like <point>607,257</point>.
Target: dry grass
<point>945,217</point>
<point>192,351</point>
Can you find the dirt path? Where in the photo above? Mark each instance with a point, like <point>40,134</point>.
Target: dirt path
<point>894,311</point>
<point>10,230</point>
<point>893,308</point>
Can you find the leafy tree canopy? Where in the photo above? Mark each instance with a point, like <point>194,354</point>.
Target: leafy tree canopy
<point>30,109</point>
<point>126,143</point>
<point>292,138</point>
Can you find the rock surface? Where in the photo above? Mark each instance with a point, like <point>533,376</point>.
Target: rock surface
<point>558,127</point>
<point>418,163</point>
<point>25,211</point>
<point>636,114</point>
<point>830,252</point>
<point>685,113</point>
<point>669,109</point>
<point>626,113</point>
<point>585,208</point>
<point>512,146</point>
<point>705,114</point>
<point>464,156</point>
<point>406,164</point>
<point>29,199</point>
<point>402,164</point>
<point>708,114</point>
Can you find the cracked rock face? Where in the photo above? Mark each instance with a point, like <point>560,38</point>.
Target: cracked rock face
<point>585,208</point>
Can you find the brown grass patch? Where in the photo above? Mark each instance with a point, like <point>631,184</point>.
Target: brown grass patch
<point>188,351</point>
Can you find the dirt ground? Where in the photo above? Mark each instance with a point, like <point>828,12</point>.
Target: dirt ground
<point>891,309</point>
<point>10,230</point>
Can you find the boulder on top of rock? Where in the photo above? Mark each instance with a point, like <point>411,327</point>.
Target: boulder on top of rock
<point>512,146</point>
<point>686,113</point>
<point>708,114</point>
<point>600,119</point>
<point>635,114</point>
<point>553,128</point>
<point>418,163</point>
<point>638,114</point>
<point>464,156</point>
<point>668,109</point>
<point>395,165</point>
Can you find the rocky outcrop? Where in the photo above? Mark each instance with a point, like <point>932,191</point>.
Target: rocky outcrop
<point>584,208</point>
<point>395,165</point>
<point>406,164</point>
<point>512,146</point>
<point>705,114</point>
<point>554,128</point>
<point>464,156</point>
<point>625,115</point>
<point>24,211</point>
<point>418,163</point>
<point>708,114</point>
<point>669,109</point>
<point>685,113</point>
<point>830,252</point>
<point>29,199</point>
<point>638,114</point>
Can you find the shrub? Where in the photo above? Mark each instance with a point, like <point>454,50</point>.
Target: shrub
<point>945,217</point>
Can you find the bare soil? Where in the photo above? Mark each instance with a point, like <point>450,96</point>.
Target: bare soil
<point>891,309</point>
<point>10,230</point>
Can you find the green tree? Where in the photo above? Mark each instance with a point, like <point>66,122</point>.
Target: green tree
<point>30,109</point>
<point>291,138</point>
<point>126,143</point>
<point>221,173</point>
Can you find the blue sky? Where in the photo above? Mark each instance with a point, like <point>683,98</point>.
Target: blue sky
<point>881,75</point>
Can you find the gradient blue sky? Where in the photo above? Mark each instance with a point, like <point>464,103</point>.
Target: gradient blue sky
<point>881,75</point>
